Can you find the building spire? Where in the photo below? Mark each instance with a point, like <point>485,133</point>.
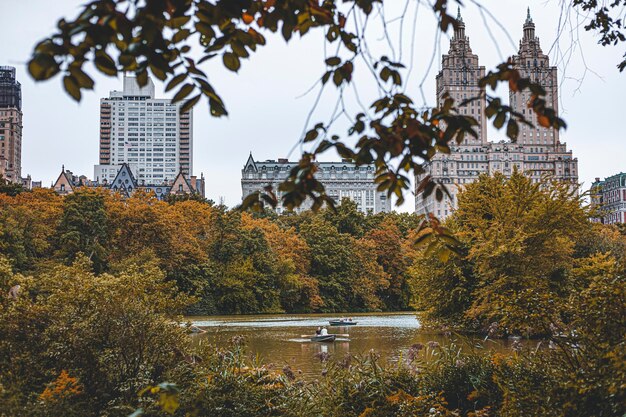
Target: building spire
<point>459,30</point>
<point>529,26</point>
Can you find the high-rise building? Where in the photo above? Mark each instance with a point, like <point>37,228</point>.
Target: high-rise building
<point>458,79</point>
<point>340,179</point>
<point>149,134</point>
<point>10,125</point>
<point>532,63</point>
<point>608,197</point>
<point>537,152</point>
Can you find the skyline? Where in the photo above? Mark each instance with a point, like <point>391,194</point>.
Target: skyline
<point>267,117</point>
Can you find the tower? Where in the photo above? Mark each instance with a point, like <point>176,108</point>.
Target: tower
<point>10,125</point>
<point>538,151</point>
<point>532,63</point>
<point>149,134</point>
<point>459,77</point>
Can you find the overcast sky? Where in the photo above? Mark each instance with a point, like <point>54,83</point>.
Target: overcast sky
<point>268,107</point>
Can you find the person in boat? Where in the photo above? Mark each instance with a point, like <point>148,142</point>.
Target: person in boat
<point>324,332</point>
<point>350,319</point>
<point>318,331</point>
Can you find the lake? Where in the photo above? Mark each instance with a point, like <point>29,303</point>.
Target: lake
<point>277,339</point>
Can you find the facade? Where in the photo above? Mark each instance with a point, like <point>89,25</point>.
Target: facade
<point>609,198</point>
<point>148,133</point>
<point>537,152</point>
<point>10,125</point>
<point>125,182</point>
<point>341,179</point>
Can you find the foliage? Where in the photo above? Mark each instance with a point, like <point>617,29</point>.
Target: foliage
<point>83,227</point>
<point>229,261</point>
<point>86,344</point>
<point>515,270</point>
<point>10,188</point>
<point>165,38</point>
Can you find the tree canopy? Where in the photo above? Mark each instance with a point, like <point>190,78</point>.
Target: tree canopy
<point>174,40</point>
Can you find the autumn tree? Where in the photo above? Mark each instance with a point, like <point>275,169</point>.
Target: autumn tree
<point>395,257</point>
<point>519,238</point>
<point>27,227</point>
<point>84,228</point>
<point>111,334</point>
<point>299,291</point>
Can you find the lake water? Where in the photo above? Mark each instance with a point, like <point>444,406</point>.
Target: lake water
<point>277,339</point>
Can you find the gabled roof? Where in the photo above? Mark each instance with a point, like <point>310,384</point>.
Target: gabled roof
<point>250,165</point>
<point>63,179</point>
<point>124,181</point>
<point>181,180</point>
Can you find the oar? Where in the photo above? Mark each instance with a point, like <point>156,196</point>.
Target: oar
<point>329,334</point>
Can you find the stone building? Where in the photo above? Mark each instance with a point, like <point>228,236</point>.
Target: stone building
<point>148,133</point>
<point>537,152</point>
<point>341,179</point>
<point>10,125</point>
<point>608,197</point>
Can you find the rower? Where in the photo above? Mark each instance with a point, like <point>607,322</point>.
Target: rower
<point>324,332</point>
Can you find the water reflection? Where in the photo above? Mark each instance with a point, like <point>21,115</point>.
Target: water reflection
<point>282,340</point>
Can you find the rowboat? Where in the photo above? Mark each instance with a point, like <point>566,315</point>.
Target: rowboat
<point>324,338</point>
<point>342,323</point>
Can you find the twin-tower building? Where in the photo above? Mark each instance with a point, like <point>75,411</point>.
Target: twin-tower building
<point>538,151</point>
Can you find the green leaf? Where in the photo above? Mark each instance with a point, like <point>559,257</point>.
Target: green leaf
<point>84,80</point>
<point>184,91</point>
<point>205,30</point>
<point>311,135</point>
<point>71,86</point>
<point>231,61</point>
<point>512,129</point>
<point>188,105</point>
<point>177,22</point>
<point>42,67</point>
<point>175,81</point>
<point>105,63</point>
<point>333,61</point>
<point>499,120</point>
<point>337,78</point>
<point>142,78</point>
<point>181,35</point>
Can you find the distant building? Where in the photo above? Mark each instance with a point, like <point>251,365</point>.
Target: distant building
<point>608,197</point>
<point>341,180</point>
<point>126,183</point>
<point>29,184</point>
<point>147,133</point>
<point>67,182</point>
<point>538,150</point>
<point>10,125</point>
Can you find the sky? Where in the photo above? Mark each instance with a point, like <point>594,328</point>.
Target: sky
<point>270,99</point>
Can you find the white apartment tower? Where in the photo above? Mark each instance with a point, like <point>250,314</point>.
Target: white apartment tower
<point>149,134</point>
<point>537,151</point>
